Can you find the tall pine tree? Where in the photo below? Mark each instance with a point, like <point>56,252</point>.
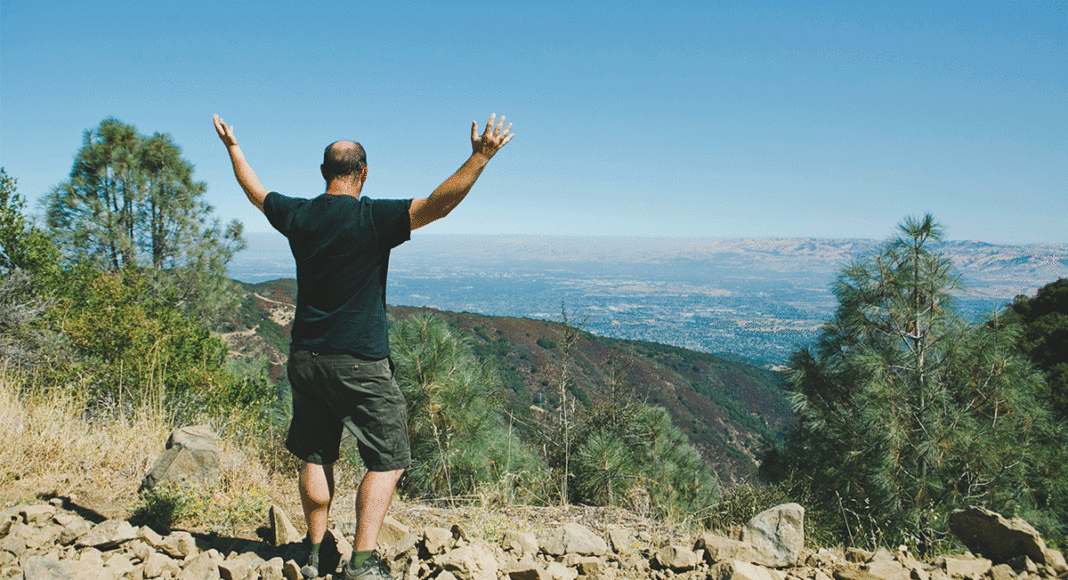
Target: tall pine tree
<point>906,411</point>
<point>131,202</point>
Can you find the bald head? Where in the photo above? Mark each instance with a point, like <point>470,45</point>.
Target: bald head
<point>343,159</point>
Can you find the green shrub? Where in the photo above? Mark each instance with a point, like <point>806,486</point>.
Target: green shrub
<point>460,444</point>
<point>200,505</point>
<point>546,343</point>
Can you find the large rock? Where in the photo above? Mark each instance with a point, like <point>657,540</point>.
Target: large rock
<point>271,569</point>
<point>677,558</point>
<point>179,545</point>
<point>883,565</point>
<point>778,534</point>
<point>391,532</point>
<point>282,529</point>
<point>37,514</point>
<point>720,549</point>
<point>529,571</point>
<point>159,563</point>
<point>240,566</point>
<point>437,540</point>
<point>108,534</point>
<point>988,533</point>
<point>968,568</point>
<point>520,543</point>
<point>38,568</point>
<point>191,454</point>
<point>469,562</point>
<point>735,570</point>
<point>572,538</point>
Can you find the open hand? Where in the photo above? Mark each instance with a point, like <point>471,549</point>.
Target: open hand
<point>492,139</point>
<point>226,132</point>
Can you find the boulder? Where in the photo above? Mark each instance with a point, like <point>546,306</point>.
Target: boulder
<point>720,549</point>
<point>37,513</point>
<point>590,566</point>
<point>391,532</point>
<point>73,528</point>
<point>988,533</point>
<point>676,558</point>
<point>85,570</point>
<point>470,562</point>
<point>8,517</point>
<point>1002,572</point>
<point>778,534</point>
<point>437,540</point>
<point>159,563</point>
<point>271,569</point>
<point>291,571</point>
<point>572,538</point>
<point>409,544</point>
<point>736,570</point>
<point>282,529</point>
<point>520,543</point>
<point>119,564</point>
<point>200,567</point>
<point>883,565</point>
<point>191,454</point>
<point>38,568</point>
<point>558,571</point>
<point>619,539</point>
<point>967,568</point>
<point>179,545</point>
<point>846,573</point>
<point>107,534</point>
<point>529,571</point>
<point>237,568</point>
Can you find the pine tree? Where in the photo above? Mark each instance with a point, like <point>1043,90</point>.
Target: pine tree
<point>905,410</point>
<point>460,443</point>
<point>1044,320</point>
<point>131,202</point>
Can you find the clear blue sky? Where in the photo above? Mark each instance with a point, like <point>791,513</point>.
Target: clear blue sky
<point>719,119</point>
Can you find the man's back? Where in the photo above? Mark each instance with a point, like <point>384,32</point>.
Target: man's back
<point>341,246</point>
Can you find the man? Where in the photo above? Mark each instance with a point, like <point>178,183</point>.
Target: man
<point>339,364</point>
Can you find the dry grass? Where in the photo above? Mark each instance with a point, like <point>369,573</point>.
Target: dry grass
<point>54,447</point>
<point>51,446</point>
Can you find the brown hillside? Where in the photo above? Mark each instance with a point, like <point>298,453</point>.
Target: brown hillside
<point>724,407</point>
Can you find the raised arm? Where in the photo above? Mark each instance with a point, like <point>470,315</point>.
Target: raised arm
<point>242,170</point>
<point>454,189</point>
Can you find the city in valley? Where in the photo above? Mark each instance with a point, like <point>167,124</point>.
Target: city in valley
<point>755,300</point>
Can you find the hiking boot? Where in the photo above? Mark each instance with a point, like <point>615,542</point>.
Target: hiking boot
<point>373,569</point>
<point>311,569</point>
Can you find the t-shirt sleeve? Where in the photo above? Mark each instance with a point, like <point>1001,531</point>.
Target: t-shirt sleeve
<point>392,221</point>
<point>279,210</point>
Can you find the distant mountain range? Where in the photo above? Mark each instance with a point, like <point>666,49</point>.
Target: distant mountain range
<point>750,299</point>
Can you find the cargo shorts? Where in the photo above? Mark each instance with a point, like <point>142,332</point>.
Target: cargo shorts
<point>332,392</point>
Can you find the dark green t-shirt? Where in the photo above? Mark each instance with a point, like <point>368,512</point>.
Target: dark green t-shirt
<point>341,245</point>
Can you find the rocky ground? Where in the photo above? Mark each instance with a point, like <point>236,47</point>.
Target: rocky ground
<point>56,540</point>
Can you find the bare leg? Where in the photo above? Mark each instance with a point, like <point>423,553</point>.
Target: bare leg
<point>316,485</point>
<point>372,502</point>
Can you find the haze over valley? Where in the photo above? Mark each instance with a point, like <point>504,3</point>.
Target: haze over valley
<point>751,299</point>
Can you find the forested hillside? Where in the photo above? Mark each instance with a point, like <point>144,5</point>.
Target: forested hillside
<point>725,408</point>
